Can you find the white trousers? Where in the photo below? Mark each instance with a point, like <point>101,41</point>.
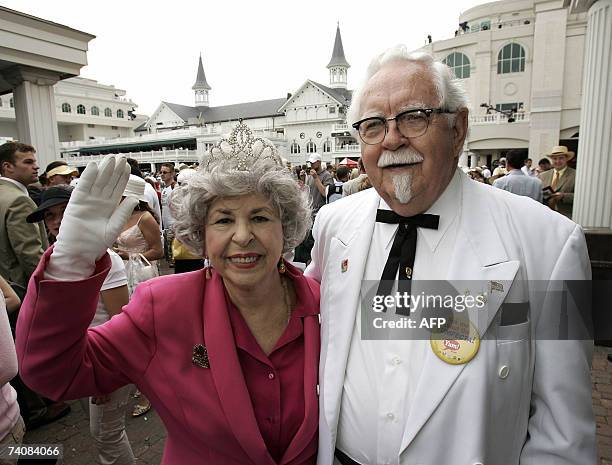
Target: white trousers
<point>107,426</point>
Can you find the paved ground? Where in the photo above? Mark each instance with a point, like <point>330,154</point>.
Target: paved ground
<point>147,433</point>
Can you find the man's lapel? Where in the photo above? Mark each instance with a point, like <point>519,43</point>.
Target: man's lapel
<point>480,261</point>
<point>340,290</point>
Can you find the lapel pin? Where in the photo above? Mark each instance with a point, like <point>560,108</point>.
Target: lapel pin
<point>200,356</point>
<point>495,286</point>
<point>345,265</point>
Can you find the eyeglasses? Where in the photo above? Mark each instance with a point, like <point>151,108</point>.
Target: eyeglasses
<point>410,124</point>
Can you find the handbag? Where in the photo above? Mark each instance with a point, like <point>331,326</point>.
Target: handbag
<point>140,269</point>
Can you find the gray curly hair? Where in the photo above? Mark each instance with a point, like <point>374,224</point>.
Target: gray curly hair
<point>190,204</point>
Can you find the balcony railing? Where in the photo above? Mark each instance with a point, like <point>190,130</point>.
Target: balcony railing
<point>499,118</point>
<point>341,127</point>
<point>154,156</point>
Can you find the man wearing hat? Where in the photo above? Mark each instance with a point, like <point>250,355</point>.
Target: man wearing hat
<point>317,181</point>
<point>559,181</point>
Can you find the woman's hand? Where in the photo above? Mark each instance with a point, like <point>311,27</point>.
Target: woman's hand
<point>92,221</point>
<point>122,253</point>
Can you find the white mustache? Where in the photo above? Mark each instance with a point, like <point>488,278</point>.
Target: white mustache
<point>400,157</point>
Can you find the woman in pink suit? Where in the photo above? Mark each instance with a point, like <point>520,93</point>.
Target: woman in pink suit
<point>227,355</point>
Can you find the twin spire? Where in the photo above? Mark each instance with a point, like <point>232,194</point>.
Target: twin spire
<point>201,87</point>
<point>338,66</point>
<point>338,70</point>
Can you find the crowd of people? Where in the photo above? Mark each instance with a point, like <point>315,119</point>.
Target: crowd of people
<point>255,350</point>
<point>551,183</point>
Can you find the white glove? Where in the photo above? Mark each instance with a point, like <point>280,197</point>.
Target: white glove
<point>92,221</point>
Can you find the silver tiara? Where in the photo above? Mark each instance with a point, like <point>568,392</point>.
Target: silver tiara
<point>241,150</point>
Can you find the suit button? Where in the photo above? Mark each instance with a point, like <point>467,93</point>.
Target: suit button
<point>390,417</point>
<point>270,375</point>
<point>396,361</point>
<point>503,374</point>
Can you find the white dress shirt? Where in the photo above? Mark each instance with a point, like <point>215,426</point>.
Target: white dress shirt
<point>382,376</point>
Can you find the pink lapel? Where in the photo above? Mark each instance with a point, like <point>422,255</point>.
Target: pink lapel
<point>312,345</point>
<point>227,374</point>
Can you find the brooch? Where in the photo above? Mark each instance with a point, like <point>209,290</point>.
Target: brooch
<point>200,356</point>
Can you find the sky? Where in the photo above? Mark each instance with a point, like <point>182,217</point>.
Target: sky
<point>251,50</point>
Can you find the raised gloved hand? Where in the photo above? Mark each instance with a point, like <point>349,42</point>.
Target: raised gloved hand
<point>92,221</point>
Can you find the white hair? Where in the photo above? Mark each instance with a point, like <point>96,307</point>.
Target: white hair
<point>450,92</point>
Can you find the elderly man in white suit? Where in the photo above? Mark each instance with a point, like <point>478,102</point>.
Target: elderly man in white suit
<point>520,397</point>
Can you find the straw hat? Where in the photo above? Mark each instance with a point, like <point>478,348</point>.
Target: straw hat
<point>561,150</point>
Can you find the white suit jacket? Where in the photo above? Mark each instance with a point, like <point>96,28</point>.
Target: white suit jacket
<point>521,400</point>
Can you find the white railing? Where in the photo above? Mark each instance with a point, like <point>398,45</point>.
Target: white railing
<point>159,136</point>
<point>154,156</point>
<point>162,136</point>
<point>348,149</point>
<point>477,26</point>
<point>499,118</point>
<point>341,127</point>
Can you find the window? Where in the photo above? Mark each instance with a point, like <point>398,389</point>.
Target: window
<point>511,59</point>
<point>311,147</point>
<point>114,127</point>
<point>81,109</point>
<point>332,110</point>
<point>485,25</point>
<point>91,125</point>
<point>12,103</point>
<point>295,148</point>
<point>95,111</point>
<point>326,146</point>
<point>459,63</point>
<point>507,107</point>
<point>66,108</point>
<point>119,113</point>
<point>108,112</point>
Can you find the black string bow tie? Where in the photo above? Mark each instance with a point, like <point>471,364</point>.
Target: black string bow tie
<point>403,249</point>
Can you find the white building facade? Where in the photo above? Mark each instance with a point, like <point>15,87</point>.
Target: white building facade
<point>525,59</point>
<point>85,110</point>
<point>313,119</point>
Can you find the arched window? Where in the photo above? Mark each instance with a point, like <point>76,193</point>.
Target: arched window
<point>12,103</point>
<point>66,108</point>
<point>295,148</point>
<point>119,113</point>
<point>311,147</point>
<point>326,146</point>
<point>511,59</point>
<point>108,112</point>
<point>81,109</point>
<point>95,111</point>
<point>459,63</point>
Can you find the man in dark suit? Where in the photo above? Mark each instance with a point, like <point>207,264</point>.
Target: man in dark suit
<point>560,180</point>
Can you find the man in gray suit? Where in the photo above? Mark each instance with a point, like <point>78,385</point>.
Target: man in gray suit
<point>516,181</point>
<point>21,243</point>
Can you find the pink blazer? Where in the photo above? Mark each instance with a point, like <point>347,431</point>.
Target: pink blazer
<point>207,412</point>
